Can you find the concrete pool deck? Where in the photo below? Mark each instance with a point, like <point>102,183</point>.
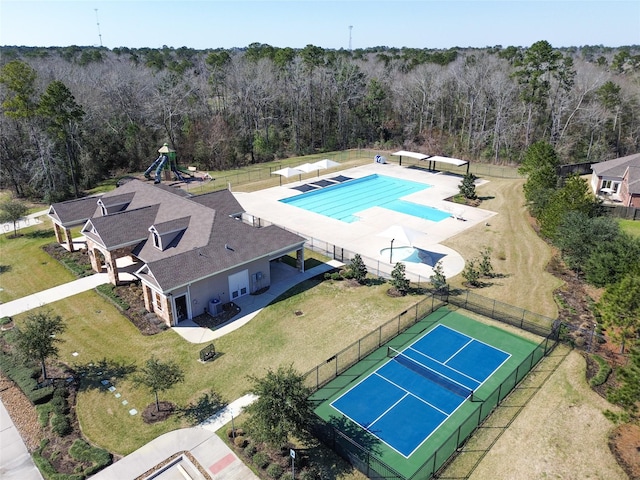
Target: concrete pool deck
<point>363,236</point>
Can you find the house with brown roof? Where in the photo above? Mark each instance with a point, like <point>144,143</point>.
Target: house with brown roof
<point>193,253</point>
<point>618,180</point>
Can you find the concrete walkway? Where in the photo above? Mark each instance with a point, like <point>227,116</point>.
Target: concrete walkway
<point>15,461</point>
<point>54,294</point>
<point>210,451</point>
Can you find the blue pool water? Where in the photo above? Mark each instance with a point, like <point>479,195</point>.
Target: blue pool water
<point>344,200</point>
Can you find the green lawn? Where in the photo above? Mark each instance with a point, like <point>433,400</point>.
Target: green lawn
<point>632,227</point>
<point>25,267</point>
<point>334,315</point>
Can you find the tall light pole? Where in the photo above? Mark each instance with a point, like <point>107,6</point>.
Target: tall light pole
<point>98,24</point>
<point>350,28</point>
<point>391,252</point>
<point>233,428</point>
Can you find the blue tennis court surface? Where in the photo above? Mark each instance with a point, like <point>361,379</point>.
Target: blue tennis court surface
<point>344,200</point>
<point>406,399</point>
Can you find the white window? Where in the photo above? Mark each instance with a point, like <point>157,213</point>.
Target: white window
<point>610,184</point>
<point>158,301</point>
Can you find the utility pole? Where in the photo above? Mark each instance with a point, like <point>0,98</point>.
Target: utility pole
<point>98,24</point>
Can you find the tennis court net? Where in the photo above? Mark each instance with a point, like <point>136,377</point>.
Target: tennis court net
<point>429,373</point>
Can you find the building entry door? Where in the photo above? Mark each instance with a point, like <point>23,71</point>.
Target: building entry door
<point>239,284</point>
<point>181,312</point>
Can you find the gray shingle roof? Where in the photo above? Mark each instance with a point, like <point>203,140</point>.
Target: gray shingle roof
<point>123,228</point>
<point>172,225</point>
<point>212,241</point>
<point>634,179</point>
<point>74,212</point>
<point>616,167</point>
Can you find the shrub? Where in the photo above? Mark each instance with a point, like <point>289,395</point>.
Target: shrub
<point>603,372</point>
<point>289,476</point>
<point>47,470</point>
<point>81,450</point>
<point>346,273</point>
<point>108,291</point>
<point>25,375</point>
<point>250,450</point>
<point>59,403</point>
<point>274,470</point>
<point>5,320</point>
<point>240,441</point>
<point>260,460</point>
<point>60,425</point>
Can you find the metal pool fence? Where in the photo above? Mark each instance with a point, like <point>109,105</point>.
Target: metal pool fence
<point>363,457</point>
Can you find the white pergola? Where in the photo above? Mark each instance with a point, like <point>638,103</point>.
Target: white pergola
<point>433,159</point>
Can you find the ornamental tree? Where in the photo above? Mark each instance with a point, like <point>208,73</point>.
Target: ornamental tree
<point>158,376</point>
<point>12,210</point>
<point>37,337</point>
<point>282,408</point>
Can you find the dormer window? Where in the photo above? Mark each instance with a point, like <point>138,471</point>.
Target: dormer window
<point>157,239</point>
<point>114,204</point>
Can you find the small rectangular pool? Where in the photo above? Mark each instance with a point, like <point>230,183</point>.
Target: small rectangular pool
<point>343,201</point>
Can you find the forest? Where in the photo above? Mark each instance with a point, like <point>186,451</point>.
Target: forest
<point>74,116</point>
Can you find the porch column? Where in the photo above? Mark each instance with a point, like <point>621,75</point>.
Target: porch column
<point>68,239</point>
<point>300,260</point>
<point>166,313</point>
<point>57,229</point>
<point>95,265</point>
<point>112,268</point>
<point>148,301</point>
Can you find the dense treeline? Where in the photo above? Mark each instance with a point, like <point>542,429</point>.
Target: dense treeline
<point>72,116</point>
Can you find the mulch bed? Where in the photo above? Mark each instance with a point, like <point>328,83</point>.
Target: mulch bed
<point>148,323</point>
<point>229,311</point>
<point>152,414</point>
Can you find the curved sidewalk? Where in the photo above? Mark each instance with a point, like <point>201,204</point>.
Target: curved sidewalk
<point>210,451</point>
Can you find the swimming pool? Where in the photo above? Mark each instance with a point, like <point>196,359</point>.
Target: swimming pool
<point>344,200</point>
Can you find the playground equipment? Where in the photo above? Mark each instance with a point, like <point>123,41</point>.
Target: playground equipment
<point>167,161</point>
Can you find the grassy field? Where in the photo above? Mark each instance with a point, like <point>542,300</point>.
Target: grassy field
<point>26,268</point>
<point>334,315</point>
<point>561,433</point>
<point>519,256</point>
<point>632,227</point>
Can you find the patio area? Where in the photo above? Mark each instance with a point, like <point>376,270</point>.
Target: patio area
<point>363,236</point>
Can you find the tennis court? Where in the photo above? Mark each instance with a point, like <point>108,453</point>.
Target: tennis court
<point>405,408</point>
<point>420,387</point>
